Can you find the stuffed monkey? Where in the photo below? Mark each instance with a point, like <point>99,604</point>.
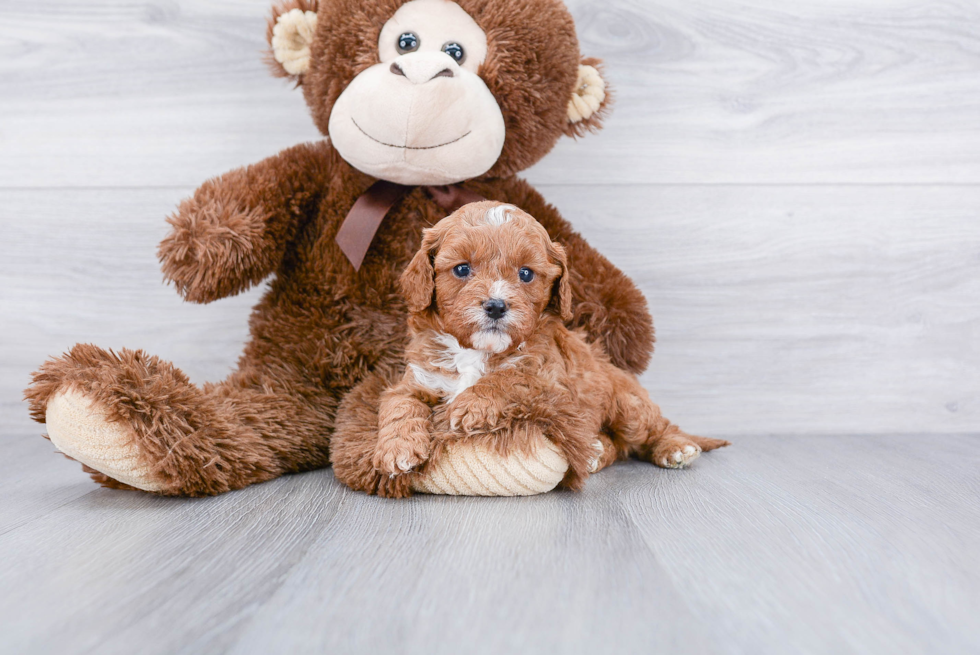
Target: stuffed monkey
<point>425,105</point>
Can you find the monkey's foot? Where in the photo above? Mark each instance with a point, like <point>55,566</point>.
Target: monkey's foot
<point>80,428</point>
<point>469,468</point>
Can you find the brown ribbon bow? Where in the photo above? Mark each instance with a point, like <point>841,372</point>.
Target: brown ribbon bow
<point>363,220</point>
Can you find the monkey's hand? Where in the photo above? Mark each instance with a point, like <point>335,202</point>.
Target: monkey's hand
<point>233,231</point>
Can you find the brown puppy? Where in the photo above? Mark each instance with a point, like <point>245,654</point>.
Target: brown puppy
<point>488,296</point>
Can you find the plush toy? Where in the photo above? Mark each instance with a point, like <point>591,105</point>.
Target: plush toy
<point>428,104</point>
<point>490,362</point>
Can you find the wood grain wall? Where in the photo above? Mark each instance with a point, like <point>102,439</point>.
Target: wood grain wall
<point>795,186</point>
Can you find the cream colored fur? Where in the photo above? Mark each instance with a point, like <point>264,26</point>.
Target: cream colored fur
<point>590,91</point>
<point>498,215</point>
<point>81,429</point>
<point>463,368</point>
<point>473,470</point>
<point>291,39</point>
<point>681,458</point>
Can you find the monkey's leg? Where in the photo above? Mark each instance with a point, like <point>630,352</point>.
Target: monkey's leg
<point>140,423</point>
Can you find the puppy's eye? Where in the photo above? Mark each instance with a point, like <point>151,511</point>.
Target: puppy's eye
<point>461,270</point>
<point>455,51</point>
<point>526,274</point>
<point>408,42</point>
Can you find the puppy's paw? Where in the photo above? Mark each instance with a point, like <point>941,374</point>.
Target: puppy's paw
<point>470,414</point>
<point>598,451</point>
<point>402,446</point>
<point>675,453</point>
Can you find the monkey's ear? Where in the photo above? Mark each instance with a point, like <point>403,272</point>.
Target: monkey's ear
<point>290,33</point>
<point>418,282</point>
<point>590,101</point>
<point>561,291</point>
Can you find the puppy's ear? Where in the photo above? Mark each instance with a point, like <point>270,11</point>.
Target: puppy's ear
<point>561,291</point>
<point>418,282</point>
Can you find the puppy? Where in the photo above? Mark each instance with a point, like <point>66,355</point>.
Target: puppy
<point>490,357</point>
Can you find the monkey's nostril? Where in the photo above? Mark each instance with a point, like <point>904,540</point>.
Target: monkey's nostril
<point>397,70</point>
<point>445,72</point>
<point>495,308</point>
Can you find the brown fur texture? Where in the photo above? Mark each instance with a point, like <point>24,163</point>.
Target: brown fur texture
<point>322,327</point>
<point>535,376</point>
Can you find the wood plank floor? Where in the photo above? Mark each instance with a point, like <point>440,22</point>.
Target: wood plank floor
<point>775,545</point>
<point>794,186</point>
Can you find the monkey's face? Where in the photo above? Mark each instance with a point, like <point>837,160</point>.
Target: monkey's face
<point>422,115</point>
<point>435,91</point>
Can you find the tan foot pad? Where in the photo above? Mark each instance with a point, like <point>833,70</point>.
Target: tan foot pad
<point>80,429</point>
<point>467,469</point>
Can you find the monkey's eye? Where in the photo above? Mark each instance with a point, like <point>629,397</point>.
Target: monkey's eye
<point>455,51</point>
<point>461,270</point>
<point>408,42</point>
<point>526,274</point>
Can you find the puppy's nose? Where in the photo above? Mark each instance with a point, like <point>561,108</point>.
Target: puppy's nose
<point>495,308</point>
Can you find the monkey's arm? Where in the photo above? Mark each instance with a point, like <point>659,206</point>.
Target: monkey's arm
<point>608,305</point>
<point>233,231</point>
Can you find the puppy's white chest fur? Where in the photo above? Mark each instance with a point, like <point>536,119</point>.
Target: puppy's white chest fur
<point>459,368</point>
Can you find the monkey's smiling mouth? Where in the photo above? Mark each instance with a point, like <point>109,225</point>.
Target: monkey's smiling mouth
<point>392,145</point>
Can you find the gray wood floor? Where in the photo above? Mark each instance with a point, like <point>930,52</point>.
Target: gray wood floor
<point>801,545</point>
<point>795,187</point>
